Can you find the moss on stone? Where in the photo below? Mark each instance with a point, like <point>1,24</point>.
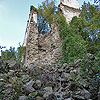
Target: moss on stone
<point>33,8</point>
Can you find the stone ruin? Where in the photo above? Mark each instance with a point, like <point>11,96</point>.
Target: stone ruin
<point>42,50</point>
<point>69,9</point>
<point>45,49</point>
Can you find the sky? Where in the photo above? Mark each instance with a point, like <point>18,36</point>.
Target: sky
<point>13,20</point>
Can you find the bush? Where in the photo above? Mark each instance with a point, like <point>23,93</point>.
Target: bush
<point>12,54</point>
<point>33,8</point>
<point>91,73</point>
<point>73,46</point>
<point>21,51</point>
<point>72,49</point>
<point>8,54</point>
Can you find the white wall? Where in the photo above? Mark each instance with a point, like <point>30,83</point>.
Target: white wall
<point>71,3</point>
<point>35,17</point>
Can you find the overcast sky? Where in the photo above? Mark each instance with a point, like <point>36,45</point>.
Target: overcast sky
<point>13,20</point>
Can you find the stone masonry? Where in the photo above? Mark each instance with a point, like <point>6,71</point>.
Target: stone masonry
<point>32,17</point>
<point>42,50</point>
<point>69,9</point>
<point>45,49</point>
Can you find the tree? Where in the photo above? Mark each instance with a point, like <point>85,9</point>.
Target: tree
<point>12,54</point>
<point>20,54</point>
<point>46,14</point>
<point>73,46</point>
<point>1,47</point>
<point>8,54</point>
<point>96,1</point>
<point>91,32</point>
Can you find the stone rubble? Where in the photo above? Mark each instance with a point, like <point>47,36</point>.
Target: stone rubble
<point>58,82</point>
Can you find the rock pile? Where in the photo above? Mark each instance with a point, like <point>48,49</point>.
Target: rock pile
<point>57,82</point>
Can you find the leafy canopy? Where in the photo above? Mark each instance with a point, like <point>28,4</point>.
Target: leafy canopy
<point>12,54</point>
<point>8,54</point>
<point>91,31</point>
<point>46,15</point>
<point>73,46</point>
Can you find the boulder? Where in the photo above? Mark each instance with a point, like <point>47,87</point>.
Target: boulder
<point>13,80</point>
<point>10,73</point>
<point>11,64</point>
<point>78,97</point>
<point>8,86</point>
<point>25,78</point>
<point>66,75</point>
<point>37,84</point>
<point>98,95</point>
<point>39,98</point>
<point>69,99</point>
<point>28,87</point>
<point>48,91</point>
<point>90,56</point>
<point>22,98</point>
<point>86,94</point>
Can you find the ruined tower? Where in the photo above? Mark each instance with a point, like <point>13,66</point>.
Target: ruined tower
<point>41,50</point>
<point>69,8</point>
<point>45,49</point>
<point>32,19</point>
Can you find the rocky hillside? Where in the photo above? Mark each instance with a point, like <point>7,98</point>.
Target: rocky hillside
<point>56,82</point>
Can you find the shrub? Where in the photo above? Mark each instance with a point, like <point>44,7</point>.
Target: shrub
<point>73,46</point>
<point>21,51</point>
<point>91,72</point>
<point>8,54</point>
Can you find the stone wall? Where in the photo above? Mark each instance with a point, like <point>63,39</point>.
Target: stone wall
<point>42,50</point>
<point>69,9</point>
<point>45,50</point>
<point>71,3</point>
<point>50,47</point>
<point>32,17</point>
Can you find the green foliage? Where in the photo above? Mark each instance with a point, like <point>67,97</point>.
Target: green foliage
<point>17,86</point>
<point>62,25</point>
<point>1,89</point>
<point>72,49</point>
<point>91,30</point>
<point>46,15</point>
<point>8,54</point>
<point>89,11</point>
<point>73,46</point>
<point>97,1</point>
<point>21,51</point>
<point>33,8</point>
<point>47,10</point>
<point>78,24</point>
<point>91,73</point>
<point>12,54</point>
<point>91,34</point>
<point>1,47</point>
